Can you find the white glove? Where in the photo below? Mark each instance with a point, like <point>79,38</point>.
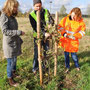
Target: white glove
<point>47,35</point>
<point>65,35</point>
<point>71,37</point>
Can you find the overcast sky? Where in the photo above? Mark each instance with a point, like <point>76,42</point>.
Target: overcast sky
<point>25,5</point>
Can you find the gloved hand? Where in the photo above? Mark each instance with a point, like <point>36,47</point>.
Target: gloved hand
<point>47,35</point>
<point>71,37</point>
<point>65,35</point>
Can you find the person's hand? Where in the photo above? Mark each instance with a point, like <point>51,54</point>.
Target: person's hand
<point>66,35</point>
<point>49,26</point>
<point>47,35</point>
<point>71,37</point>
<point>23,33</point>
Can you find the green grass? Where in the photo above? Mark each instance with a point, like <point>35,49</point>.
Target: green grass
<point>74,80</point>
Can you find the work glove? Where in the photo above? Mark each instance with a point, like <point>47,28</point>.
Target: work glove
<point>65,35</point>
<point>47,35</point>
<point>69,36</point>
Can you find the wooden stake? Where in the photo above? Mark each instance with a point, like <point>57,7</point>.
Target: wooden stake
<point>55,62</point>
<point>39,46</point>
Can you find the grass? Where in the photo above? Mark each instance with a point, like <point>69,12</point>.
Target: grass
<point>74,80</point>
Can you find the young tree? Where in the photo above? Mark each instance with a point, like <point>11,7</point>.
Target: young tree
<point>20,14</point>
<point>30,10</point>
<point>27,13</point>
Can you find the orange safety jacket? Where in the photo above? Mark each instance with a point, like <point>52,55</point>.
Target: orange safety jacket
<point>76,28</point>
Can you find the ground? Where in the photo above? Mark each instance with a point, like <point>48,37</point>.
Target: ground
<point>74,80</point>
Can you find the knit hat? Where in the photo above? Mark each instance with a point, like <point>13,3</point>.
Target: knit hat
<point>36,1</point>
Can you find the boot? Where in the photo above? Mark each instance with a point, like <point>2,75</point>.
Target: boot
<point>12,83</point>
<point>15,75</point>
<point>78,69</point>
<point>67,70</point>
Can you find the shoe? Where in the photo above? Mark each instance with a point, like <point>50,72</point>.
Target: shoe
<point>12,83</point>
<point>67,70</point>
<point>34,72</point>
<point>78,69</point>
<point>15,75</point>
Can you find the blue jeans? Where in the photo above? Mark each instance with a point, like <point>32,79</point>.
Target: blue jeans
<point>67,61</point>
<point>45,46</point>
<point>11,66</point>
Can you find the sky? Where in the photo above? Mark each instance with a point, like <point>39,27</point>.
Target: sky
<point>25,5</point>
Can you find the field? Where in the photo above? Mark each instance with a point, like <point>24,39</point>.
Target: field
<point>74,80</point>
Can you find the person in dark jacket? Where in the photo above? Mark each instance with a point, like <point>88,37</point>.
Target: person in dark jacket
<point>11,37</point>
<point>45,18</point>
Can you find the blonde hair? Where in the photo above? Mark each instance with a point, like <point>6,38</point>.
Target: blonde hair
<point>77,12</point>
<point>9,7</point>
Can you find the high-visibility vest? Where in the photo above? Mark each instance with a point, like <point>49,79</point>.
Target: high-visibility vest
<point>45,15</point>
<point>35,18</point>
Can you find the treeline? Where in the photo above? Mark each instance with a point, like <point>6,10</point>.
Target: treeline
<point>63,15</point>
<point>0,12</point>
<point>20,14</point>
<point>26,14</point>
<point>87,16</point>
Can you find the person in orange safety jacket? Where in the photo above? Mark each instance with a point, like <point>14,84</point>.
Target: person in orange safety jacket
<point>71,28</point>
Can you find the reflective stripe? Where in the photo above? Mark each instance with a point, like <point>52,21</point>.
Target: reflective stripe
<point>69,32</point>
<point>60,29</point>
<point>82,33</point>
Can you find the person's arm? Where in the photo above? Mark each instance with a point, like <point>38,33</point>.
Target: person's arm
<point>4,27</point>
<point>61,28</point>
<point>81,32</point>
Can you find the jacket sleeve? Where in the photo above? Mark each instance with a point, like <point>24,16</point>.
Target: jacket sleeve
<point>61,28</point>
<point>81,32</point>
<point>4,27</point>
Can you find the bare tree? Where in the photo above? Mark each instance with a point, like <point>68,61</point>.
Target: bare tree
<point>27,13</point>
<point>30,10</point>
<point>62,10</point>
